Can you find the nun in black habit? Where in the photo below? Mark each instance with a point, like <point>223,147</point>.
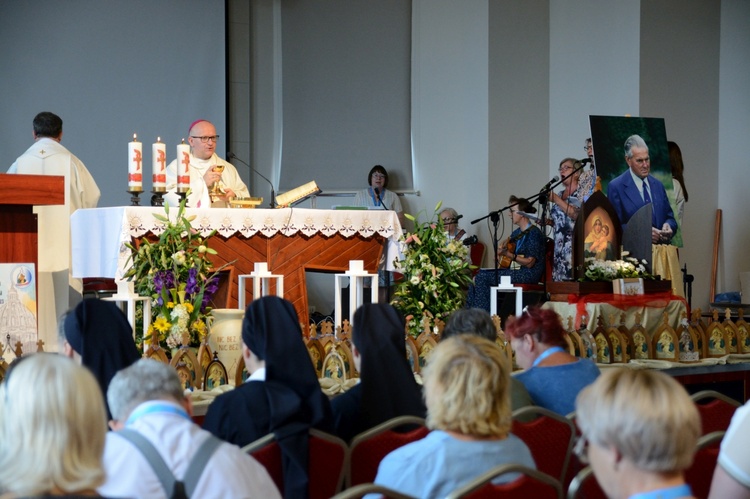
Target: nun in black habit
<point>387,388</point>
<point>99,332</point>
<point>286,401</point>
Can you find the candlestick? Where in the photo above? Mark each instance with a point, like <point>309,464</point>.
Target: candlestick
<point>183,167</point>
<point>159,165</point>
<point>135,165</point>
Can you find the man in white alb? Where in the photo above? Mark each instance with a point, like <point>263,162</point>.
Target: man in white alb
<point>206,168</point>
<point>57,290</point>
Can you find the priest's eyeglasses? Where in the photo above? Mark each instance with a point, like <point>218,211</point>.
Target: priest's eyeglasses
<point>206,138</point>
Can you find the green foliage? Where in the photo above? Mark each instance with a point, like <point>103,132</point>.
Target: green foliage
<point>437,273</point>
<point>176,273</point>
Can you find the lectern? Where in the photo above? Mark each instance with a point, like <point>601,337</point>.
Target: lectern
<point>18,222</point>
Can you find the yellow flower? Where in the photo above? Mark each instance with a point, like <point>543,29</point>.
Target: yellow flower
<point>200,327</point>
<point>170,304</point>
<point>161,324</point>
<point>189,307</point>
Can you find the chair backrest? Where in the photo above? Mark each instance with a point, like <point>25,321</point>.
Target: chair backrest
<point>716,410</point>
<point>476,253</point>
<point>550,437</point>
<point>370,488</point>
<point>701,472</point>
<point>585,486</point>
<point>328,455</point>
<point>268,453</point>
<point>370,447</point>
<point>531,484</point>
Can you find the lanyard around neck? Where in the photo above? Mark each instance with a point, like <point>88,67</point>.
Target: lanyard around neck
<point>546,354</point>
<point>154,408</point>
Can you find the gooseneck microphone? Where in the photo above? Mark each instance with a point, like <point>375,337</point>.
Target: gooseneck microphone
<point>377,195</point>
<point>231,156</point>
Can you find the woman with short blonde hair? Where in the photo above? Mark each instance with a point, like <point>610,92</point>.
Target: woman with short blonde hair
<point>52,428</point>
<point>467,394</point>
<point>641,428</point>
<point>484,411</point>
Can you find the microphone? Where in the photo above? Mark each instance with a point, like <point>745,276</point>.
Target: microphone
<point>585,160</point>
<point>377,195</point>
<point>549,184</point>
<point>470,240</point>
<point>231,156</point>
<point>459,217</point>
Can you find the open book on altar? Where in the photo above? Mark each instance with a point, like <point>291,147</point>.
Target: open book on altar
<point>297,194</point>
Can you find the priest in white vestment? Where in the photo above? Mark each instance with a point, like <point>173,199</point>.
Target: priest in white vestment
<point>57,291</point>
<point>203,170</point>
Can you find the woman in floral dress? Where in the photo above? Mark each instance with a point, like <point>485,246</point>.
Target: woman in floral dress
<point>564,212</point>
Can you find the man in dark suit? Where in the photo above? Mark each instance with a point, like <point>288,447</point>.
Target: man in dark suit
<point>635,188</point>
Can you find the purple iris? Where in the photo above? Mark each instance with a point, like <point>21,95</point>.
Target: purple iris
<point>192,286</point>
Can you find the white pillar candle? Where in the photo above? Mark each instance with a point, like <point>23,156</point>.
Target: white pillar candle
<point>159,164</point>
<point>135,165</point>
<point>183,162</point>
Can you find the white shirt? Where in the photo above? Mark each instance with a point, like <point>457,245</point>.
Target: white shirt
<point>200,196</point>
<point>229,473</point>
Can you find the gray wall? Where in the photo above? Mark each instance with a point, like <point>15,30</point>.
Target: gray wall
<point>110,69</point>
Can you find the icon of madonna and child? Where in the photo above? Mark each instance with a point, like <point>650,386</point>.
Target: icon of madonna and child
<point>599,241</point>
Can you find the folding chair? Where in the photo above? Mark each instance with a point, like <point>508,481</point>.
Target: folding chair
<point>531,484</point>
<point>716,410</point>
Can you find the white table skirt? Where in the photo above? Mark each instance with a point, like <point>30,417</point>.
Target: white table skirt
<point>98,235</point>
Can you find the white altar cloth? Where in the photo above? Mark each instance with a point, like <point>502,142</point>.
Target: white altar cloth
<point>98,235</point>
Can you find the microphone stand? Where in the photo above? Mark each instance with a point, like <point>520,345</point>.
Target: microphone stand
<point>231,156</point>
<point>377,196</point>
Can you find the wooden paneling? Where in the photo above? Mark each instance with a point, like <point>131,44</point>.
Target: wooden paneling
<point>291,257</point>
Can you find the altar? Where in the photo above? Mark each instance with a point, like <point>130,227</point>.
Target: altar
<point>289,240</point>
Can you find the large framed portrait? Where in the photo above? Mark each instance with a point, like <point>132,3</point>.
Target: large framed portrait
<point>608,136</point>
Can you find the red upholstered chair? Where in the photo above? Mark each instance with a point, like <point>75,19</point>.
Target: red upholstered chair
<point>370,447</point>
<point>585,486</point>
<point>370,488</point>
<point>328,455</point>
<point>531,484</point>
<point>701,472</point>
<point>550,437</point>
<point>716,410</point>
<point>476,253</point>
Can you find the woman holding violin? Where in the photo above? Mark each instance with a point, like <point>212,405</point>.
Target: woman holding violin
<point>521,256</point>
<point>564,212</point>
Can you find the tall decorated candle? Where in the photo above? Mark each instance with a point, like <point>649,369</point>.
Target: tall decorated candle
<point>159,165</point>
<point>183,167</point>
<point>135,165</point>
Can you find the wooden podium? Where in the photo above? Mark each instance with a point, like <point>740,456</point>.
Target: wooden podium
<point>18,222</point>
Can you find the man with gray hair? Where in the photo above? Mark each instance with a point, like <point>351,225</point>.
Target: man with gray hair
<point>636,188</point>
<point>147,398</point>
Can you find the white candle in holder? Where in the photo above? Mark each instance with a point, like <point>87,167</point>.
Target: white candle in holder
<point>183,166</point>
<point>135,165</point>
<point>159,164</point>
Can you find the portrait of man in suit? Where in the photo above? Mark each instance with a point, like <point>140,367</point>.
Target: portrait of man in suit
<point>635,187</point>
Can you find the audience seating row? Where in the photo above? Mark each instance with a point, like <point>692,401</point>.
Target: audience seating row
<point>334,465</point>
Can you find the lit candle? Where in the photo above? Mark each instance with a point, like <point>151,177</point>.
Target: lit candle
<point>159,165</point>
<point>183,163</point>
<point>135,165</point>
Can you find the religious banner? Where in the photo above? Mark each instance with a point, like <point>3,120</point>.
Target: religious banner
<point>18,310</point>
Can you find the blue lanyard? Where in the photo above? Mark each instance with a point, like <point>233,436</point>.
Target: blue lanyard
<point>376,201</point>
<point>546,354</point>
<point>154,408</point>
<point>670,493</point>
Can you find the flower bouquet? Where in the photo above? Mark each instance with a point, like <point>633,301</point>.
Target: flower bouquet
<point>437,274</point>
<point>176,273</point>
<point>609,270</point>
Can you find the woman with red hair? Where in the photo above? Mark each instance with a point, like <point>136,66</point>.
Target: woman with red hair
<point>551,375</point>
